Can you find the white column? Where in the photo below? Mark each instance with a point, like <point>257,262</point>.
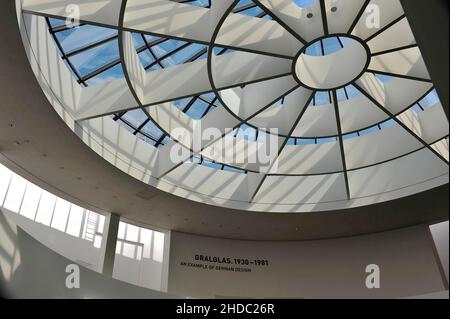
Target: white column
<point>108,252</point>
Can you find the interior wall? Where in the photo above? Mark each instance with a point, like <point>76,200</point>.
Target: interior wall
<point>81,251</point>
<point>440,233</point>
<point>309,269</point>
<point>144,272</point>
<point>334,268</point>
<point>28,269</point>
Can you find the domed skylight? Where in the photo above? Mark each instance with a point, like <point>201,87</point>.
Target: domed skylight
<point>342,94</point>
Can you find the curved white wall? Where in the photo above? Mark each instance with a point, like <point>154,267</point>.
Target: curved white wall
<point>28,269</point>
<point>334,268</point>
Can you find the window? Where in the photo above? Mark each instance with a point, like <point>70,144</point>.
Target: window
<point>140,256</point>
<point>20,196</point>
<point>5,179</point>
<point>15,193</point>
<point>140,243</point>
<point>60,215</point>
<point>31,201</point>
<point>75,221</point>
<point>46,208</point>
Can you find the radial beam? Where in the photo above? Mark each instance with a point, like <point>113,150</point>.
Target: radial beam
<point>401,76</point>
<point>244,102</point>
<point>399,122</point>
<point>391,95</point>
<point>101,12</point>
<point>177,21</point>
<point>385,28</point>
<point>407,62</point>
<point>286,140</point>
<point>341,14</point>
<point>341,142</point>
<point>282,117</point>
<point>323,10</point>
<point>388,12</point>
<point>358,16</point>
<point>280,10</point>
<point>222,119</point>
<point>295,19</point>
<point>186,80</point>
<point>397,36</point>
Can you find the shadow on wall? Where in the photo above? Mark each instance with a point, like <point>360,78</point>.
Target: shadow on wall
<point>9,255</point>
<point>28,269</point>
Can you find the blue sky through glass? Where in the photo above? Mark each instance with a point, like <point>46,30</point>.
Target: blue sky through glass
<point>304,3</point>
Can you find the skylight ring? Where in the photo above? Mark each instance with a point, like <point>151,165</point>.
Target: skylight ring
<point>299,175</point>
<point>343,35</point>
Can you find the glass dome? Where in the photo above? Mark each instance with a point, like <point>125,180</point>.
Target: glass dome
<point>343,110</point>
